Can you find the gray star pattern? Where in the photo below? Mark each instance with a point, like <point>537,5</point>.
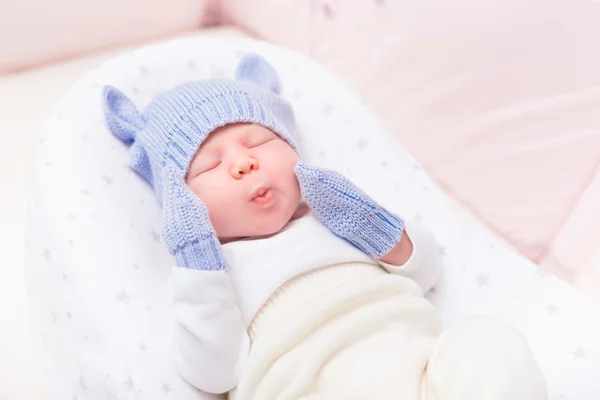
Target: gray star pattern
<point>362,144</point>
<point>82,383</point>
<point>107,179</point>
<point>579,353</point>
<point>482,280</point>
<point>123,297</point>
<point>166,388</point>
<point>129,383</point>
<point>47,254</point>
<point>155,236</point>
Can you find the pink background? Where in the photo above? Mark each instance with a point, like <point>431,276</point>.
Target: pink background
<point>498,99</point>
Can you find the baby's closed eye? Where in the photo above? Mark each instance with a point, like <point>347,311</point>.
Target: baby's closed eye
<point>205,164</point>
<point>259,139</point>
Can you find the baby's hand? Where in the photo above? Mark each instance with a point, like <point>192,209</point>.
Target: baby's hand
<point>348,212</point>
<point>187,230</point>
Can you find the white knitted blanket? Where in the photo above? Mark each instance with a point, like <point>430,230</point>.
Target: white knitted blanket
<point>314,318</point>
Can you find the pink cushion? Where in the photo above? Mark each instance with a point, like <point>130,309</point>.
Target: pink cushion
<point>33,32</point>
<point>500,102</point>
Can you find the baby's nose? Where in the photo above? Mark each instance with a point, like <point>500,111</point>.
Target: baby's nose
<point>243,167</point>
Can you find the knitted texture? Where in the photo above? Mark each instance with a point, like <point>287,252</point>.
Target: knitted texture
<point>255,70</point>
<point>348,212</point>
<point>172,127</point>
<point>187,230</point>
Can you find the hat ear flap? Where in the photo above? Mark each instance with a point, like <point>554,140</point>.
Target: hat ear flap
<point>255,69</point>
<point>122,116</point>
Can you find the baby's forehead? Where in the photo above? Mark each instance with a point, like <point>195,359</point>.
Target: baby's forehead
<point>233,132</point>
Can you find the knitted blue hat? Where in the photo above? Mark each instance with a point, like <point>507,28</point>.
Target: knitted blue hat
<point>170,130</point>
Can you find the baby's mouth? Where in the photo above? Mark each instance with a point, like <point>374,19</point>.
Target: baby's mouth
<point>262,195</point>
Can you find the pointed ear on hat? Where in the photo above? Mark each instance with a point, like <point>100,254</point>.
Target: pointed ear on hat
<point>122,116</point>
<point>255,69</point>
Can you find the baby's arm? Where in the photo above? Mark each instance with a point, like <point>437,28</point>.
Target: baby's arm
<point>417,256</point>
<point>210,344</point>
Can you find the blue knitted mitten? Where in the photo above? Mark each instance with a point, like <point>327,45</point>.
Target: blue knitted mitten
<point>187,230</point>
<point>348,212</point>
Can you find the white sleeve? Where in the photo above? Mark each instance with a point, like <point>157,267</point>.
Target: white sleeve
<point>424,264</point>
<point>210,344</point>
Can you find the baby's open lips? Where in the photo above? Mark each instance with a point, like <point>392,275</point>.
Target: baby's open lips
<point>262,195</point>
<point>259,192</point>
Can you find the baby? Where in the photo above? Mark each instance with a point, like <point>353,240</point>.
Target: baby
<point>290,282</point>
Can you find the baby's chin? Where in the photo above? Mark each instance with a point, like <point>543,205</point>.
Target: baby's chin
<point>269,226</point>
<point>266,227</point>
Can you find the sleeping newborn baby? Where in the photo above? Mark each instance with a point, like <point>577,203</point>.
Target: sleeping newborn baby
<point>290,282</point>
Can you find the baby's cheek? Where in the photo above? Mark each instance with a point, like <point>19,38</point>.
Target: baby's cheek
<point>220,221</point>
<point>224,212</point>
<point>218,208</point>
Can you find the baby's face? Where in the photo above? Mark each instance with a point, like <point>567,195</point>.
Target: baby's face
<point>244,174</point>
